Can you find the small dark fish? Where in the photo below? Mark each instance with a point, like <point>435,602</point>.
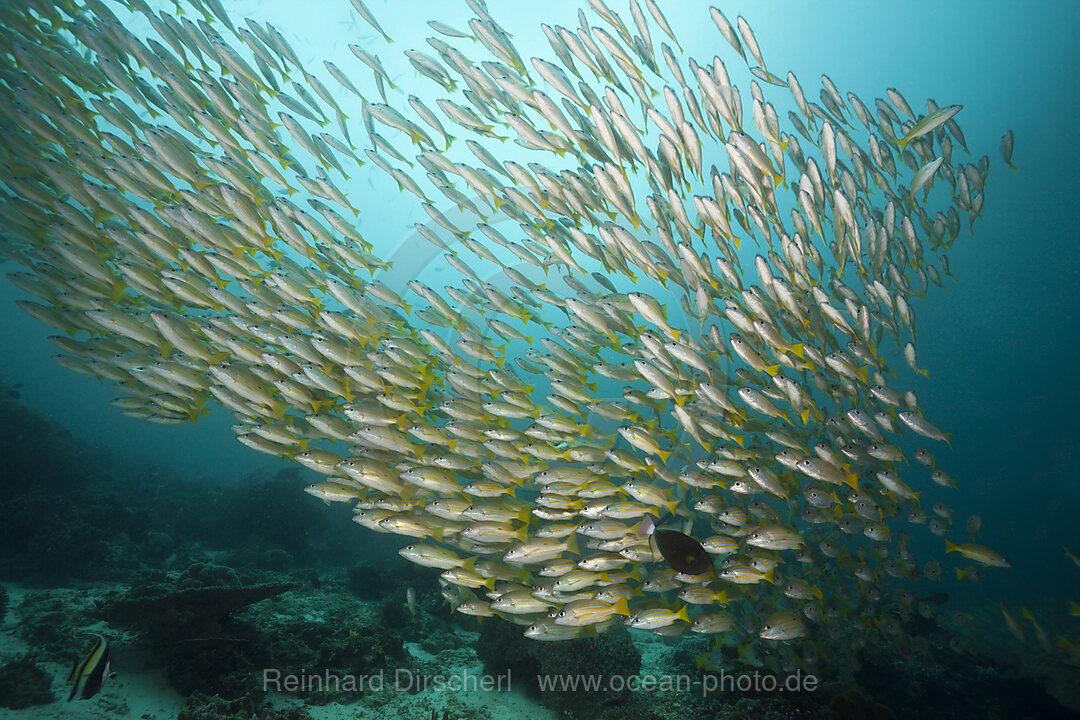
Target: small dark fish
<point>938,598</point>
<point>682,552</point>
<point>88,676</point>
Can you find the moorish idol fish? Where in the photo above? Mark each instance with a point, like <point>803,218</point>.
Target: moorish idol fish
<point>88,676</point>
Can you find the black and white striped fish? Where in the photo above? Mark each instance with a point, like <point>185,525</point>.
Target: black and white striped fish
<point>89,675</point>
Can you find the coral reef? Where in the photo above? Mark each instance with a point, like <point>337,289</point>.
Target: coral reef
<point>456,710</point>
<point>34,447</point>
<point>3,603</point>
<point>263,513</point>
<point>49,619</point>
<point>205,575</point>
<point>52,536</point>
<point>333,632</point>
<point>292,713</point>
<point>190,626</point>
<point>70,513</point>
<point>367,580</point>
<point>502,647</point>
<point>190,612</point>
<point>855,705</point>
<point>51,525</point>
<point>945,683</point>
<point>200,706</point>
<point>214,707</point>
<point>24,684</point>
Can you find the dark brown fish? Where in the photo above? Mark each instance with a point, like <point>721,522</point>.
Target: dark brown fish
<point>682,552</point>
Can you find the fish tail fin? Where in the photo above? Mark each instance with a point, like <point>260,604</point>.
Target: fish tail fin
<point>772,370</point>
<point>469,563</point>
<point>622,606</point>
<point>797,348</point>
<point>852,481</point>
<point>99,215</point>
<point>682,614</point>
<point>664,454</point>
<point>950,546</point>
<point>572,545</point>
<point>770,576</point>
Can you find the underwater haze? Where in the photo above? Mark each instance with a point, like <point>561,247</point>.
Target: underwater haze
<point>853,591</point>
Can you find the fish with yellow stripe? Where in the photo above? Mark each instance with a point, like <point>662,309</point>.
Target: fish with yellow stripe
<point>89,674</point>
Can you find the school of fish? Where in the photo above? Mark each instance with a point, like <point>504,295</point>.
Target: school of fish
<point>180,205</point>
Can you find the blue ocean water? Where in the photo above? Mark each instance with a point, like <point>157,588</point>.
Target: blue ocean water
<point>999,342</point>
